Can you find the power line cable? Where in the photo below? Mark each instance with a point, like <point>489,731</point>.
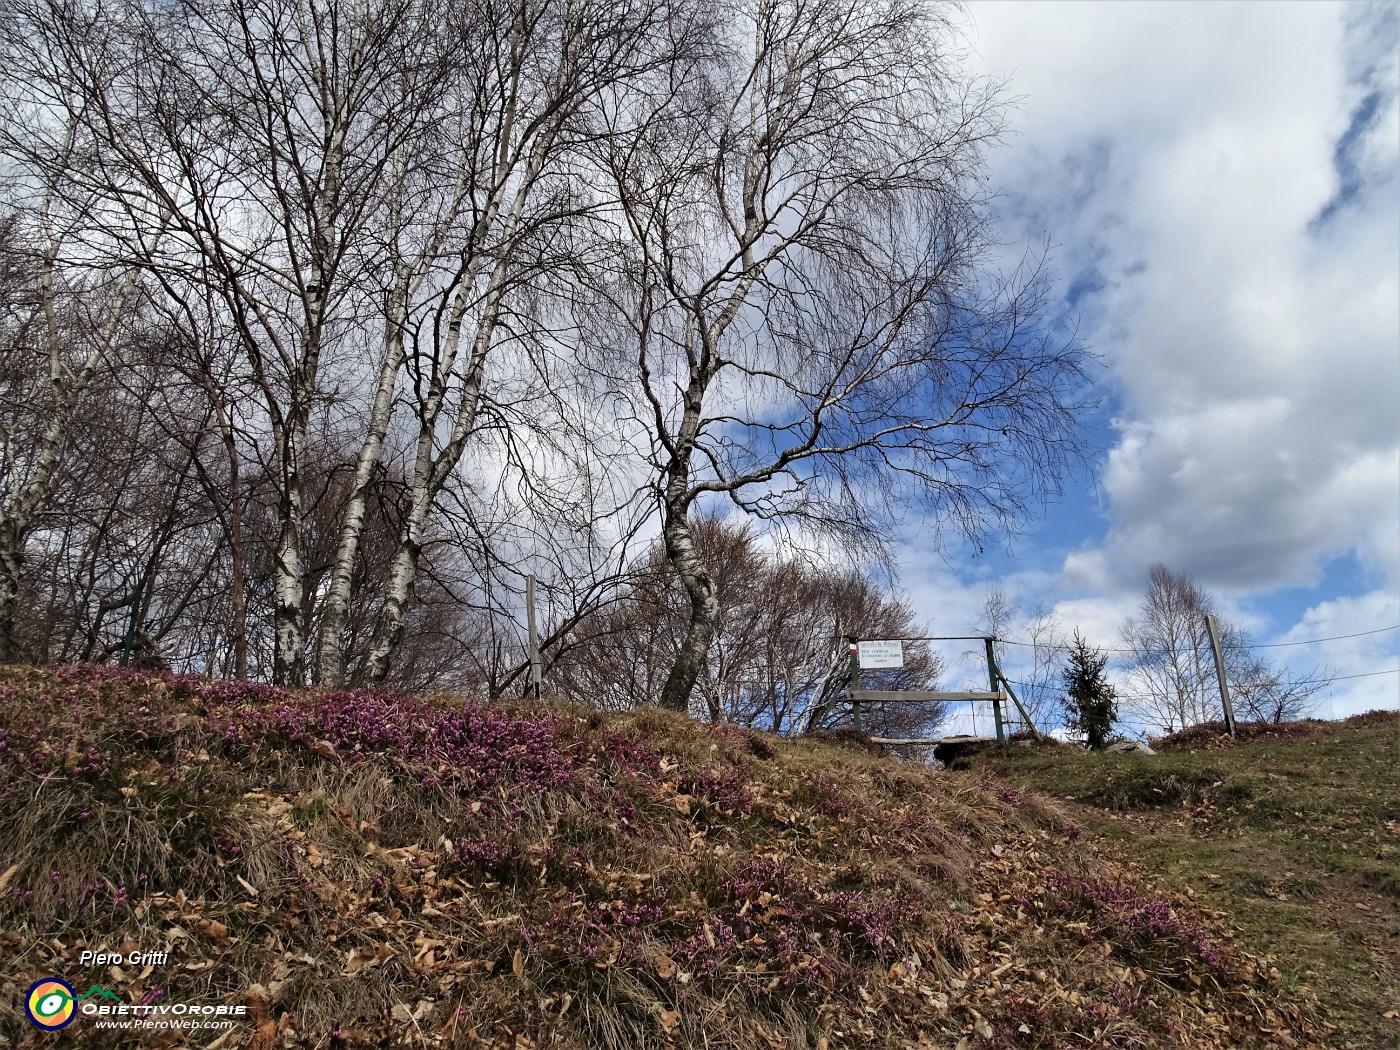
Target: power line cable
<point>1334,638</point>
<point>1148,652</point>
<point>1344,677</point>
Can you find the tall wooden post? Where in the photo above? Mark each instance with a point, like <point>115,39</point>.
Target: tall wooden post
<point>1220,675</point>
<point>535,674</point>
<point>855,681</point>
<point>993,677</point>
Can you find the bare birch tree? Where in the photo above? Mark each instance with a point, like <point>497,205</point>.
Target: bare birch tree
<point>359,187</point>
<point>61,324</point>
<point>260,134</point>
<point>475,349</point>
<point>1172,675</point>
<point>776,644</point>
<point>1033,661</point>
<point>428,249</point>
<point>128,557</point>
<point>801,291</point>
<point>1172,682</point>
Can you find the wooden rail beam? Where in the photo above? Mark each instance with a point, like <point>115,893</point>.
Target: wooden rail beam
<point>927,740</point>
<point>898,696</point>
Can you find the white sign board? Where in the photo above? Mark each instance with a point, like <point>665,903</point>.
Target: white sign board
<point>881,654</point>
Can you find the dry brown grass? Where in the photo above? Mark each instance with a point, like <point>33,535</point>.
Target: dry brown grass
<point>379,871</point>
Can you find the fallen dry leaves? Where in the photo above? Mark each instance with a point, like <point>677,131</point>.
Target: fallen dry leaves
<point>678,891</point>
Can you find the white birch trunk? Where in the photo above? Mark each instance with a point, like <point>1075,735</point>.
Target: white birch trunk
<point>704,611</point>
<point>685,558</point>
<point>335,610</point>
<point>289,589</point>
<point>289,653</point>
<point>432,471</point>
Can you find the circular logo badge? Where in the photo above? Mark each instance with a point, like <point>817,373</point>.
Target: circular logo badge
<point>50,1004</point>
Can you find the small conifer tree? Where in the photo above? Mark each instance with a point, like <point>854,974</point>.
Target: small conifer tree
<point>1090,703</point>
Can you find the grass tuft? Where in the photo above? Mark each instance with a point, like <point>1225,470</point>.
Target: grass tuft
<point>1291,830</point>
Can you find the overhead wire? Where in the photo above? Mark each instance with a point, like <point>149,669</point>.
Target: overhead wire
<point>1145,652</point>
<point>1314,641</point>
<point>1272,645</point>
<point>1344,677</point>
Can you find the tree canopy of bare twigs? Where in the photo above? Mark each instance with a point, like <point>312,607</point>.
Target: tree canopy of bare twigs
<point>1172,681</point>
<point>360,195</point>
<point>392,302</point>
<point>801,300</point>
<point>1033,666</point>
<point>777,662</point>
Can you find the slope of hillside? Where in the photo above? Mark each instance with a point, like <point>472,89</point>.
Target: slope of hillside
<point>1294,830</point>
<point>364,869</point>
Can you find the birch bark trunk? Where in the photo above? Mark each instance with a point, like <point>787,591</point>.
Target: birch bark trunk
<point>429,475</point>
<point>289,646</point>
<point>410,269</point>
<point>335,610</point>
<point>238,581</point>
<point>681,552</point>
<point>431,470</point>
<point>11,571</point>
<point>324,253</point>
<point>704,610</point>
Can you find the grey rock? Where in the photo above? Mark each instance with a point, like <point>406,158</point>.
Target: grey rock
<point>1133,746</point>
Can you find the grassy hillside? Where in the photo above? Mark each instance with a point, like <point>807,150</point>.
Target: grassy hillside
<point>363,869</point>
<point>1292,830</point>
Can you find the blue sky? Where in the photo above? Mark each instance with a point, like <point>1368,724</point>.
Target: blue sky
<point>1221,186</point>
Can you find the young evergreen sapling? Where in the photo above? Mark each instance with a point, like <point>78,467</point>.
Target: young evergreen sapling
<point>1090,703</point>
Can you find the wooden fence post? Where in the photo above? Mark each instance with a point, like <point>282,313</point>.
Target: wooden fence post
<point>855,680</point>
<point>535,672</point>
<point>1025,715</point>
<point>1220,675</point>
<point>992,677</point>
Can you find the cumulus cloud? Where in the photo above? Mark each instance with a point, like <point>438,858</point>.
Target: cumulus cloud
<point>1221,182</point>
<point>1350,625</point>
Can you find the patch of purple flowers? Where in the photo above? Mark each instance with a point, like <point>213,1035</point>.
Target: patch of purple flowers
<point>471,746</point>
<point>1114,910</point>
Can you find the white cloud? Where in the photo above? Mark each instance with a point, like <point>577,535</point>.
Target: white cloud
<point>1221,179</point>
<point>1097,619</point>
<point>1354,646</point>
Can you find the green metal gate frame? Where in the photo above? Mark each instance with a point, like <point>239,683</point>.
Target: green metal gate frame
<point>995,678</point>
